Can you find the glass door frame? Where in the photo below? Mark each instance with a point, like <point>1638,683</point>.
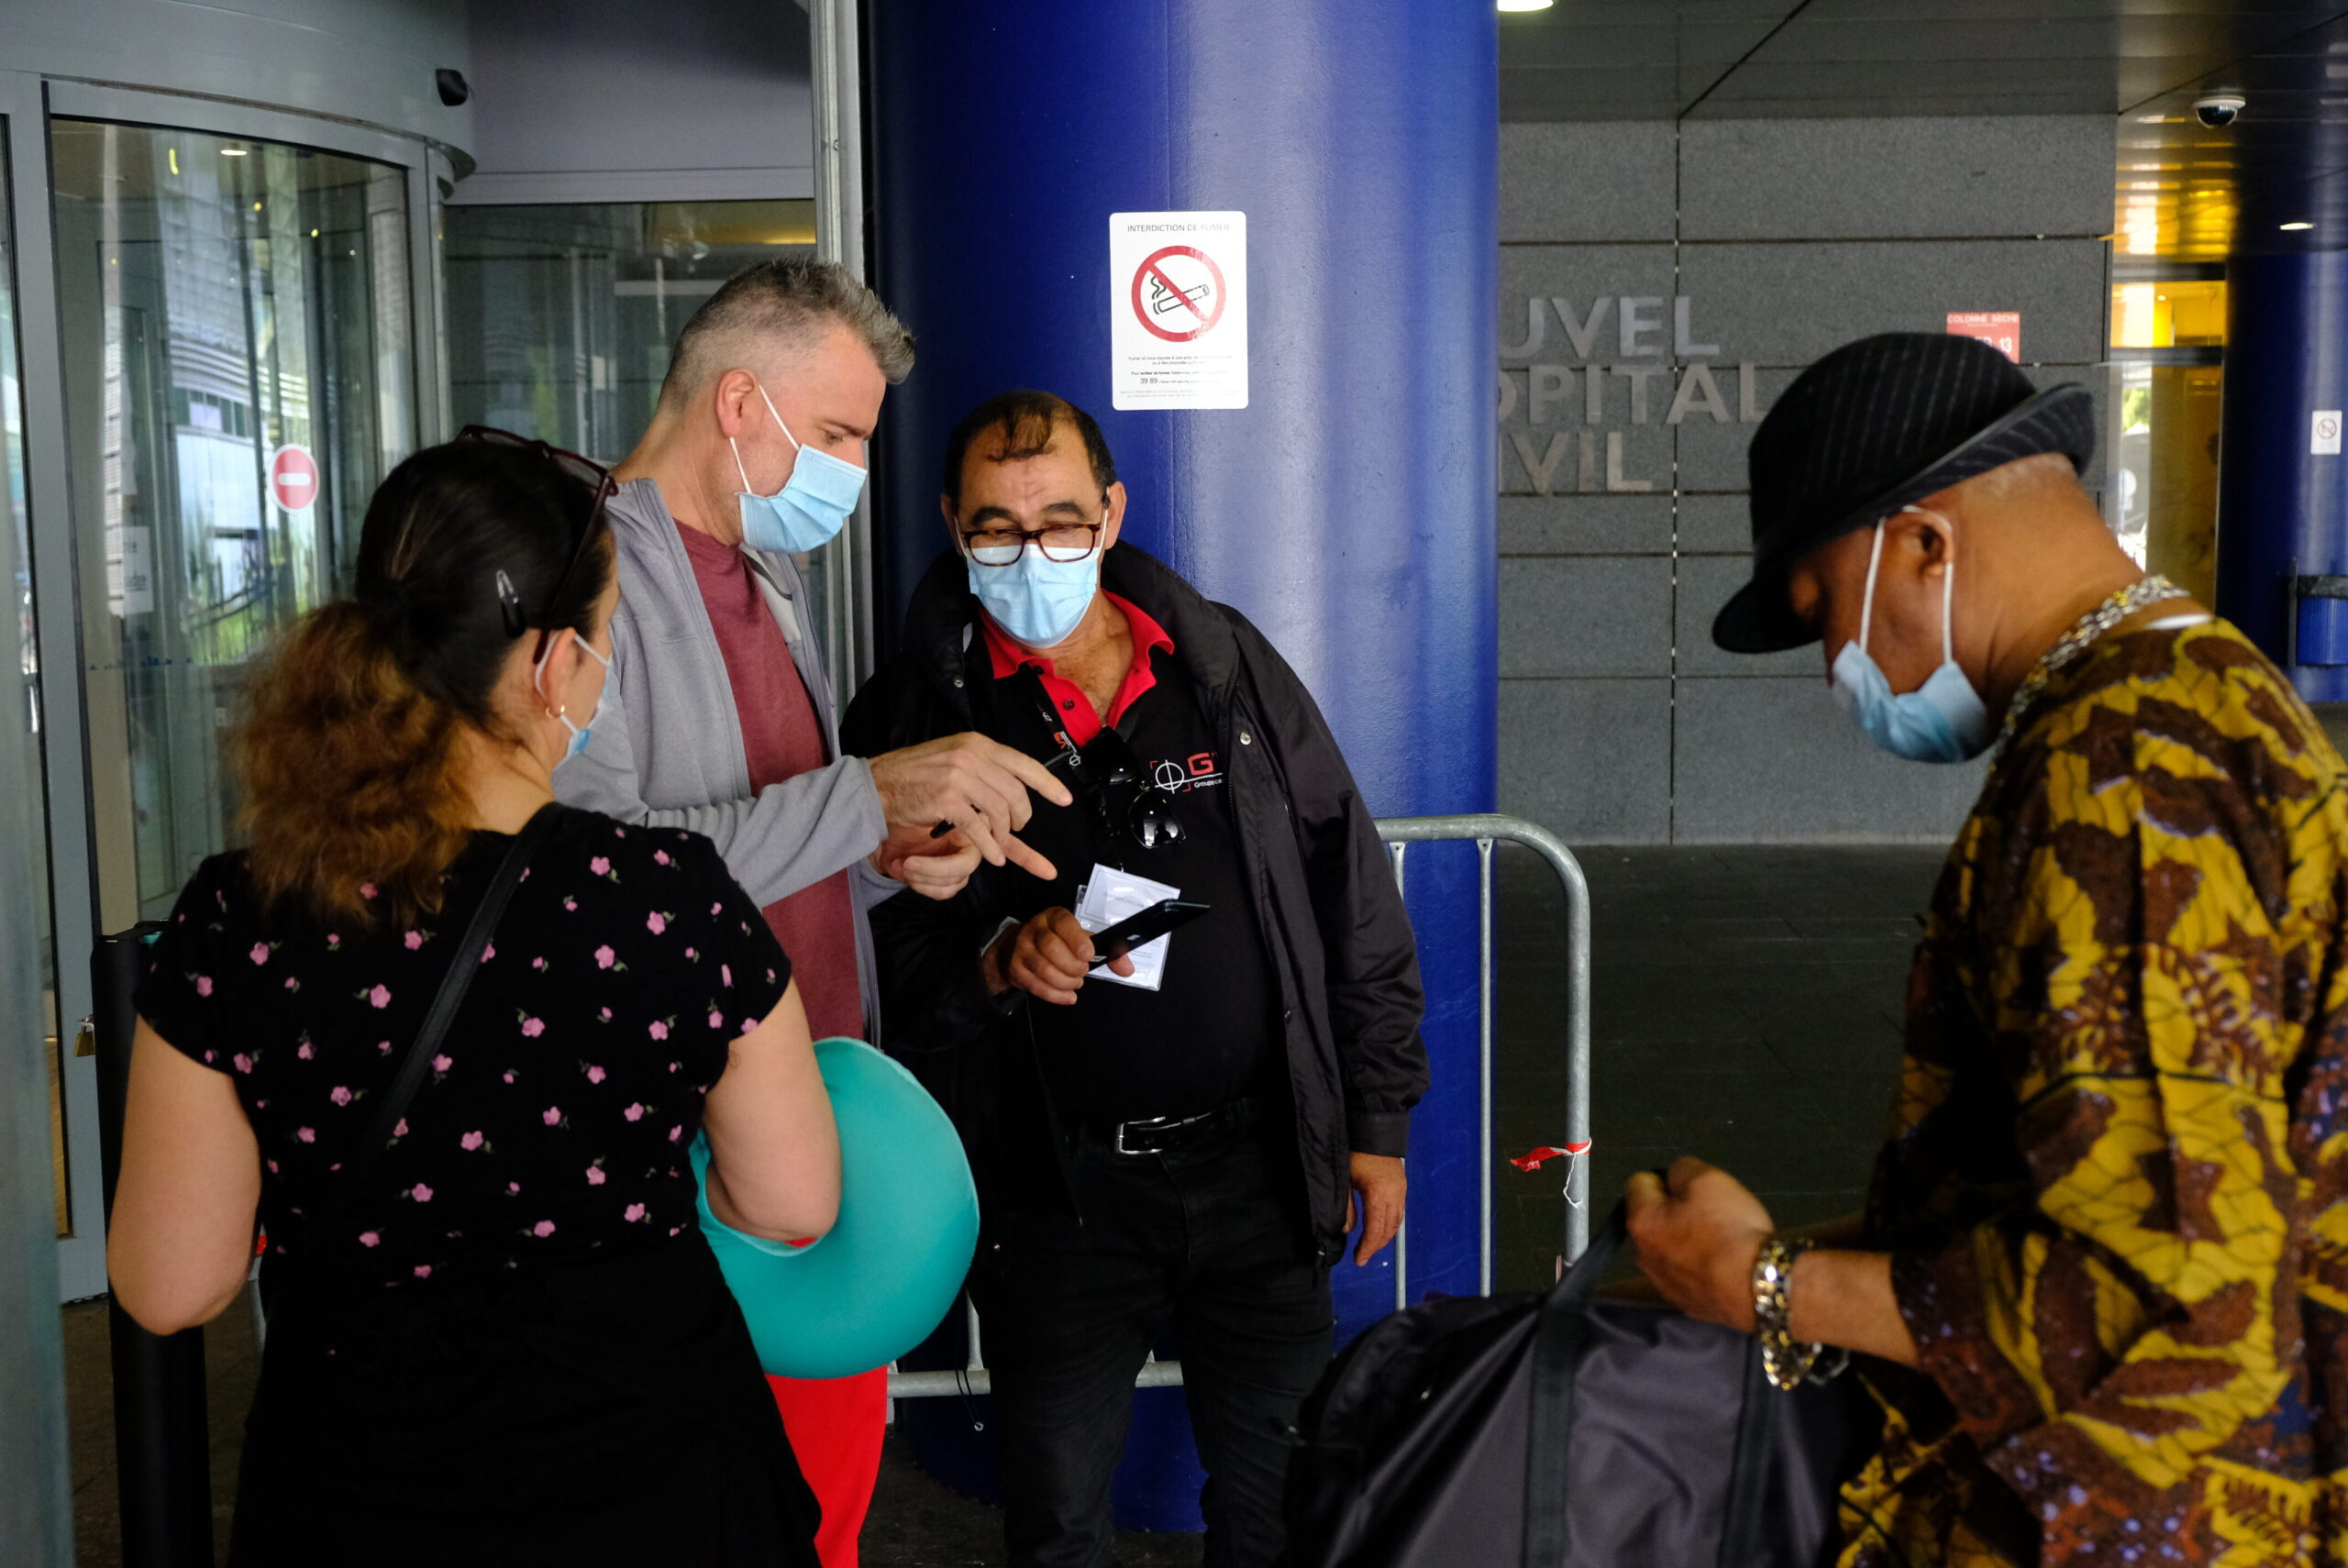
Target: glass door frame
<point>28,102</point>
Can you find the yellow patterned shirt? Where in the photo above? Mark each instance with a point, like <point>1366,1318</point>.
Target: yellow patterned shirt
<point>2116,1184</point>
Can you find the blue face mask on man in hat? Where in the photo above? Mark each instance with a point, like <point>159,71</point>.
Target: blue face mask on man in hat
<point>1943,719</point>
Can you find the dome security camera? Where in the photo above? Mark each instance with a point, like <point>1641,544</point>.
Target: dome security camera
<point>2218,110</point>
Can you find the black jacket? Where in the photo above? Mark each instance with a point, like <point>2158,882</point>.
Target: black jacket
<point>1341,952</point>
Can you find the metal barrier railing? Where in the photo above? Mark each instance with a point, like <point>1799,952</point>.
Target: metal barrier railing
<point>159,1385</point>
<point>1486,831</point>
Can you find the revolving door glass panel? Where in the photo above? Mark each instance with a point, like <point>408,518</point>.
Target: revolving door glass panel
<point>28,956</point>
<point>238,344</point>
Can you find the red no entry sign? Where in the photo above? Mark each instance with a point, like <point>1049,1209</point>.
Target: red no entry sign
<point>1178,293</point>
<point>293,479</point>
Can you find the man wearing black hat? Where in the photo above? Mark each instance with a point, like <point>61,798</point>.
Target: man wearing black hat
<point>2101,1283</point>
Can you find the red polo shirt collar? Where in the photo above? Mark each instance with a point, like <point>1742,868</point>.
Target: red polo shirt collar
<point>1076,708</point>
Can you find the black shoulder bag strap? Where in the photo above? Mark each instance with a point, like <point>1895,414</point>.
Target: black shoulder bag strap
<point>371,1143</point>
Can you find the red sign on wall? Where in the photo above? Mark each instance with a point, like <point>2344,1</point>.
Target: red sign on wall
<point>2001,329</point>
<point>294,477</point>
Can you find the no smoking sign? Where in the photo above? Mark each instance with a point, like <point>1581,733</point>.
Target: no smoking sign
<point>2323,434</point>
<point>1179,293</point>
<point>1177,310</point>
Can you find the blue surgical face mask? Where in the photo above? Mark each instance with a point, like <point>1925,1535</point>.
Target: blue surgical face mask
<point>1940,721</point>
<point>1038,600</point>
<point>812,504</point>
<point>580,733</point>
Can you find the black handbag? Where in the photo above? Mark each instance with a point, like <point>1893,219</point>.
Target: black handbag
<point>1562,1430</point>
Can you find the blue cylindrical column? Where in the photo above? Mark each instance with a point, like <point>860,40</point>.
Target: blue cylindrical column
<point>2282,505</point>
<point>1349,509</point>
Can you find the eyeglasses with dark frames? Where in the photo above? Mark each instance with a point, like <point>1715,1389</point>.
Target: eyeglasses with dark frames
<point>1063,542</point>
<point>588,472</point>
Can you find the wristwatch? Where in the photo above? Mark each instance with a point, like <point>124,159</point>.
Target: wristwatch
<point>1788,1362</point>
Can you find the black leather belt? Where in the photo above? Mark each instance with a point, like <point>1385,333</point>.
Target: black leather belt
<point>1169,1134</point>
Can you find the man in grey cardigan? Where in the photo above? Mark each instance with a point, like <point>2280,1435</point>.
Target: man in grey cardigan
<point>718,715</point>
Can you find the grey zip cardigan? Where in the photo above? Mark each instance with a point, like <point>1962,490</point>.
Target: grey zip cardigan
<point>668,748</point>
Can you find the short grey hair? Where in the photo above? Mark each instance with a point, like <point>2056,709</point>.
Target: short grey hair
<point>780,305</point>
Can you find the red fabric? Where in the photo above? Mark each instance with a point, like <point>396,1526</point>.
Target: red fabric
<point>836,1426</point>
<point>1075,707</point>
<point>783,738</point>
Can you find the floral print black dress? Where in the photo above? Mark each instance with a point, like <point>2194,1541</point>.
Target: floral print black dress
<point>511,1343</point>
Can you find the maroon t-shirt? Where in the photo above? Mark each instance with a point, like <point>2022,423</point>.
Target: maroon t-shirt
<point>783,738</point>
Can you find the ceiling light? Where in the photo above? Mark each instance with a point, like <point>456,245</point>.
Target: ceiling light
<point>2290,227</point>
<point>1527,5</point>
<point>234,151</point>
<point>2151,120</point>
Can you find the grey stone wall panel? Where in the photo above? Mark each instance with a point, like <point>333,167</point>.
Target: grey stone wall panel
<point>1586,615</point>
<point>1787,303</point>
<point>1586,524</point>
<point>1775,761</point>
<point>1903,178</point>
<point>1591,760</point>
<point>1586,181</point>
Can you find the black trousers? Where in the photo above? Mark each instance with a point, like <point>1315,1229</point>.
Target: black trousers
<point>1205,1238</point>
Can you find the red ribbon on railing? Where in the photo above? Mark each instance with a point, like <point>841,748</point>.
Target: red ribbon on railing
<point>1535,1159</point>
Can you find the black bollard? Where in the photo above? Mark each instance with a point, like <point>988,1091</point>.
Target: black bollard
<point>163,1440</point>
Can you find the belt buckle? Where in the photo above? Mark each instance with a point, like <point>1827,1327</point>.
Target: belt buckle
<point>1148,1124</point>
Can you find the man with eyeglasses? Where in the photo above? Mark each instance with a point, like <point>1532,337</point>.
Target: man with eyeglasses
<point>718,714</point>
<point>1182,1135</point>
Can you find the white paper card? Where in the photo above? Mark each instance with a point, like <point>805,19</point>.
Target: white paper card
<point>1177,310</point>
<point>2323,434</point>
<point>1114,895</point>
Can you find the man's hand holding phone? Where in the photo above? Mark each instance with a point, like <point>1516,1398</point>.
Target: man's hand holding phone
<point>1047,958</point>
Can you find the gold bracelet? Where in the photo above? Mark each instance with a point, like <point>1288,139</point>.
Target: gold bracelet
<point>1786,1360</point>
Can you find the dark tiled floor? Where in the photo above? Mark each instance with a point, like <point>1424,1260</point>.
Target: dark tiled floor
<point>1746,1008</point>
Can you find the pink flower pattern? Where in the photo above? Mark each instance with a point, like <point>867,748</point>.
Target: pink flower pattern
<point>605,1138</point>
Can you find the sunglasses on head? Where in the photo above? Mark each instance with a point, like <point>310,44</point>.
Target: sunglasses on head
<point>588,472</point>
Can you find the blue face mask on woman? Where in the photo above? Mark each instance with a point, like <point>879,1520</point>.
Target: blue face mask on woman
<point>812,504</point>
<point>1940,721</point>
<point>580,733</point>
<point>1035,599</point>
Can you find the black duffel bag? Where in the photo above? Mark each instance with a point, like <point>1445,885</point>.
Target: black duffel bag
<point>1566,1431</point>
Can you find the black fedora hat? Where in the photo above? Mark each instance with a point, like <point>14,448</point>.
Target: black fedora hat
<point>1872,427</point>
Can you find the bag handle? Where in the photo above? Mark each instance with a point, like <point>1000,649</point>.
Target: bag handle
<point>376,1140</point>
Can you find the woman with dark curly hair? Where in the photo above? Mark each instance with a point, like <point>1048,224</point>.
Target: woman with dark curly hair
<point>495,1332</point>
